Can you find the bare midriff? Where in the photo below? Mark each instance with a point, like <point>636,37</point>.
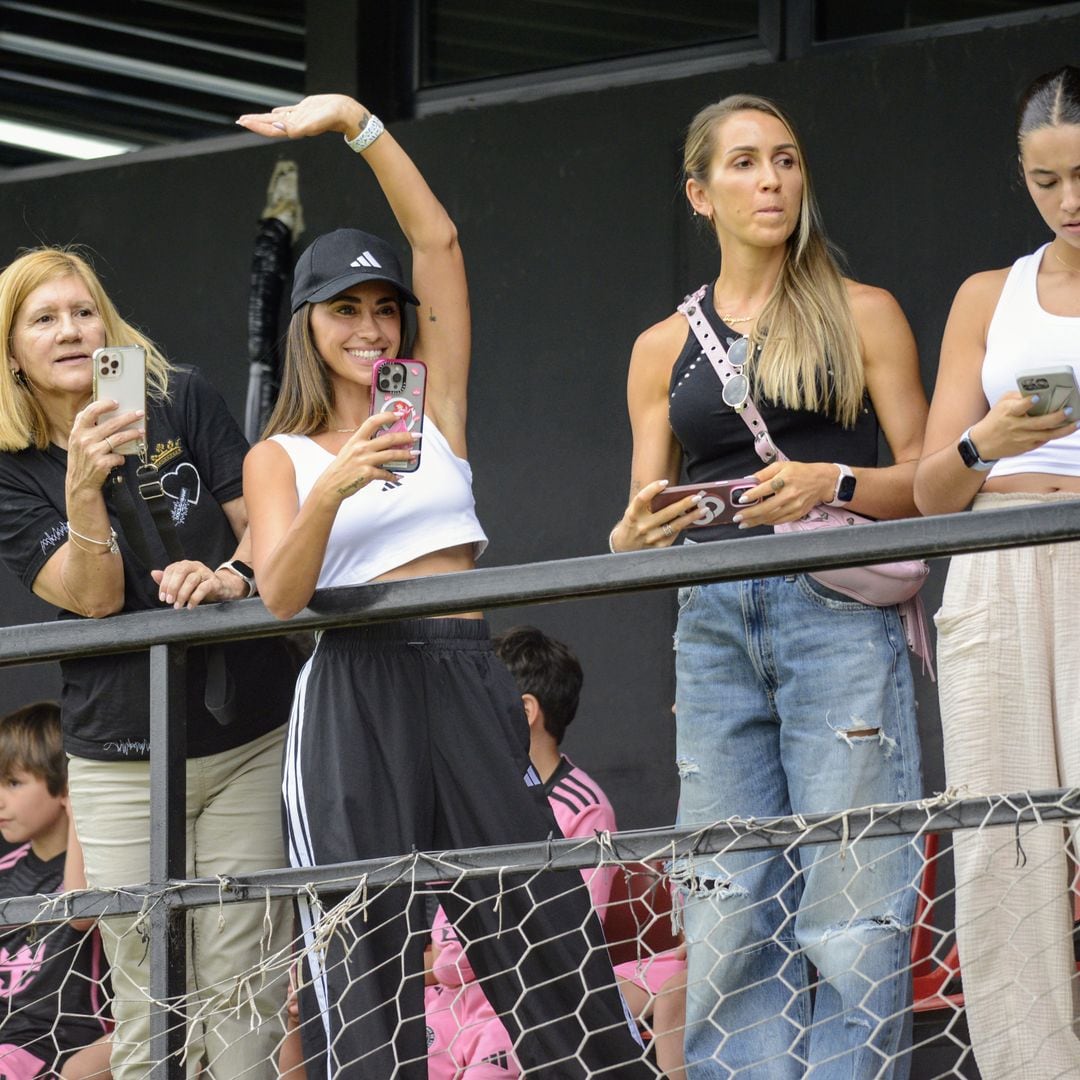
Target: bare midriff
<point>446,561</point>
<point>1032,484</point>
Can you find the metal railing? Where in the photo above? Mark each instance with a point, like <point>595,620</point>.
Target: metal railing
<point>168,634</point>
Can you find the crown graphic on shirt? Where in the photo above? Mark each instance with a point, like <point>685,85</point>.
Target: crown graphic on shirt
<point>164,452</point>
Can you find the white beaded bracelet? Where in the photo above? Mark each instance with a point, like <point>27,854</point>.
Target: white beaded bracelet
<point>368,134</point>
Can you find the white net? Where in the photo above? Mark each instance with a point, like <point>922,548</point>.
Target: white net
<point>826,948</point>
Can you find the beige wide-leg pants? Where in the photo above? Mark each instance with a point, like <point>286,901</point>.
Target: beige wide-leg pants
<point>1009,668</point>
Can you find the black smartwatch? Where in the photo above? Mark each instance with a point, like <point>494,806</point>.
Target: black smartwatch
<point>970,456</point>
<point>845,486</point>
<point>241,570</point>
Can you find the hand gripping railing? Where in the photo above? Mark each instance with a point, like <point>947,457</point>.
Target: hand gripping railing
<point>168,634</point>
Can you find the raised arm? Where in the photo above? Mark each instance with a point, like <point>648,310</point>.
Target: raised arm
<point>443,339</point>
<point>943,483</point>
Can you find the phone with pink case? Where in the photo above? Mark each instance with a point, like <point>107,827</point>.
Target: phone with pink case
<point>398,387</point>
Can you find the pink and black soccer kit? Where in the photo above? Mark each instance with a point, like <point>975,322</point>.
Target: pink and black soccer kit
<point>52,1001</point>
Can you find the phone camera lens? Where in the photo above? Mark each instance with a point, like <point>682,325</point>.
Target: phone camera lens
<point>104,369</point>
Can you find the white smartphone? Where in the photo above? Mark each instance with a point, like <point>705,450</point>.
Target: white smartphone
<point>1055,386</point>
<point>120,374</point>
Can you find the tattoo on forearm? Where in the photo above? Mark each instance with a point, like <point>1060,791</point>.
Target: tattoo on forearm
<point>350,488</point>
<point>431,315</point>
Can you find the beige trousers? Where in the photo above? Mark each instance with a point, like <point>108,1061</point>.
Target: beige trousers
<point>233,827</point>
<point>1009,668</point>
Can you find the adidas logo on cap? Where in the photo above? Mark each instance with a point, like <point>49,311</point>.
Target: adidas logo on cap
<point>367,259</point>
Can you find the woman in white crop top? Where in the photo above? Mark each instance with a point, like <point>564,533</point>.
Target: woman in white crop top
<point>1008,646</point>
<point>405,736</point>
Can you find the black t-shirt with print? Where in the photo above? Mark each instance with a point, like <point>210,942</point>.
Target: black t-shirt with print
<point>199,452</point>
<point>52,994</point>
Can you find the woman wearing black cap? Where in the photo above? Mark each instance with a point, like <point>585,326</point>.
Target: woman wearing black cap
<point>405,736</point>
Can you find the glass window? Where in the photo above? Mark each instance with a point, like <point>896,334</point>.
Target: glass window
<point>835,19</point>
<point>465,40</point>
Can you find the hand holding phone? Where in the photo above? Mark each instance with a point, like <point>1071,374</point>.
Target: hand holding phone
<point>398,387</point>
<point>1055,388</point>
<point>120,374</point>
<point>719,502</point>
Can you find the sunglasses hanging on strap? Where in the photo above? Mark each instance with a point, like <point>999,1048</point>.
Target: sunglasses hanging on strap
<point>882,585</point>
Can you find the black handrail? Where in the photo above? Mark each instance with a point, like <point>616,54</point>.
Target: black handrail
<point>168,634</point>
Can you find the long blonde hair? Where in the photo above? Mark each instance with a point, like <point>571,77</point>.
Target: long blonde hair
<point>22,420</point>
<point>806,329</point>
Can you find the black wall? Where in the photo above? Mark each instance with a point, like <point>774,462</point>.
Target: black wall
<point>577,237</point>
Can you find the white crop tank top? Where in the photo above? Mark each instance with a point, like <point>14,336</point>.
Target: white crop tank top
<point>1022,337</point>
<point>386,525</point>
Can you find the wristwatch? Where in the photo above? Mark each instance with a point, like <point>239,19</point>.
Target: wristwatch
<point>241,570</point>
<point>970,456</point>
<point>845,486</point>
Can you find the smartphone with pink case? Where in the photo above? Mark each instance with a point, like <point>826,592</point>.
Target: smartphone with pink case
<point>398,387</point>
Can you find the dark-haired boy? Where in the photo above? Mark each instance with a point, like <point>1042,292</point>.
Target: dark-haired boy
<point>50,973</point>
<point>463,1030</point>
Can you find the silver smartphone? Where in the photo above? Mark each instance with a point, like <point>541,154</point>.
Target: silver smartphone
<point>120,374</point>
<point>1055,386</point>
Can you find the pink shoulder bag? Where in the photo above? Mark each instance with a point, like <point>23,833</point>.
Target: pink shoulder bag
<point>883,584</point>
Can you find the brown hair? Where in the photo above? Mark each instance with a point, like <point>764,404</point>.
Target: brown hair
<point>22,420</point>
<point>806,329</point>
<point>31,741</point>
<point>306,398</point>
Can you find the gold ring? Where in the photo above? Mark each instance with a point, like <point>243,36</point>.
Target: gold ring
<point>109,445</point>
<point>777,483</point>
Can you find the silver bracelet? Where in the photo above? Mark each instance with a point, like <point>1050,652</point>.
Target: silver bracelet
<point>611,539</point>
<point>368,134</point>
<point>111,546</point>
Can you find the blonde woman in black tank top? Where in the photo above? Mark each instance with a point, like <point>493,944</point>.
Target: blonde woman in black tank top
<point>789,697</point>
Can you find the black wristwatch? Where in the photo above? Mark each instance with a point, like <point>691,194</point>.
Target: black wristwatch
<point>241,570</point>
<point>970,456</point>
<point>845,486</point>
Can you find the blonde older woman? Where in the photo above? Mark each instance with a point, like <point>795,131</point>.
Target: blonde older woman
<point>61,535</point>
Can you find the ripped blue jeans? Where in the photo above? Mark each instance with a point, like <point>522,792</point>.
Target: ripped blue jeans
<point>794,699</point>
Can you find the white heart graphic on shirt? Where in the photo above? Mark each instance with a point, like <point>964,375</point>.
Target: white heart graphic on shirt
<point>182,483</point>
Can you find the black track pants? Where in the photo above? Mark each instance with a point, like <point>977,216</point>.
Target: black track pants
<point>411,736</point>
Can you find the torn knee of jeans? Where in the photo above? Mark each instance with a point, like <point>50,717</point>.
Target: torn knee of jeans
<point>858,733</point>
<point>687,767</point>
<point>694,886</point>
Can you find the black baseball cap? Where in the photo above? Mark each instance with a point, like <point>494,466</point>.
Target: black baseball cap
<point>342,258</point>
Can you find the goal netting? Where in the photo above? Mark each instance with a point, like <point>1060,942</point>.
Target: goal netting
<point>742,949</point>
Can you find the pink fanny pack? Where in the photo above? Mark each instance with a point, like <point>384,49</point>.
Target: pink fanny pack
<point>883,584</point>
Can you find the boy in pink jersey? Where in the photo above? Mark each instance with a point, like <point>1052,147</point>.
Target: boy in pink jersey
<point>463,1029</point>
<point>51,999</point>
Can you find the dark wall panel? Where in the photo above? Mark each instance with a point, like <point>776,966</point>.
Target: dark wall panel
<point>578,237</point>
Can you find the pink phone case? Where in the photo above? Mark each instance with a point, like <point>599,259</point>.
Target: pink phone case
<point>398,386</point>
<point>719,505</point>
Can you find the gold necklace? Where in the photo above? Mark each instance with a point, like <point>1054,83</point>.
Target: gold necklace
<point>734,320</point>
<point>1071,269</point>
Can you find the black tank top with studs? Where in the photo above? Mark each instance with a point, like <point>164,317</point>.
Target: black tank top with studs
<point>716,443</point>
